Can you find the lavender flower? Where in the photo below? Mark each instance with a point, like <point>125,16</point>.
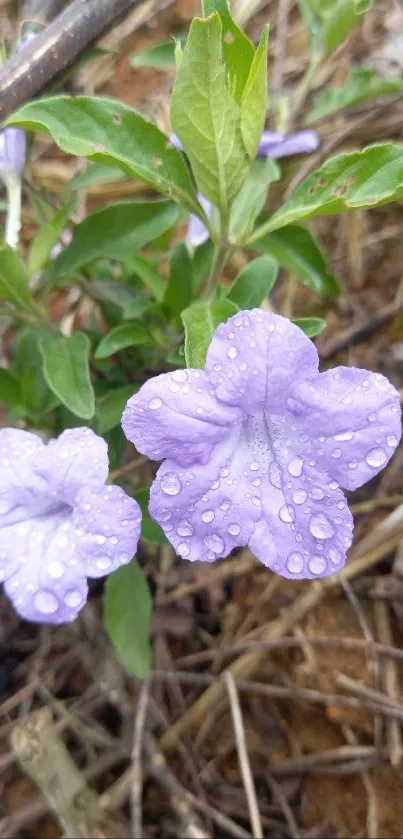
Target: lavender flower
<point>273,145</point>
<point>13,148</point>
<point>258,444</point>
<point>59,523</point>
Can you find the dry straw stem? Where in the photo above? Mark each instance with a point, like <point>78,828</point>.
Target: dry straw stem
<point>243,757</point>
<point>367,554</point>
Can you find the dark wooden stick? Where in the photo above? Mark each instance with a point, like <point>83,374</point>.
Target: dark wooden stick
<point>56,48</point>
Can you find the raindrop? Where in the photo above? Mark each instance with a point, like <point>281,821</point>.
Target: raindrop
<point>73,598</point>
<point>347,400</point>
<point>353,464</point>
<point>46,602</point>
<point>234,529</point>
<point>183,550</point>
<point>64,455</point>
<point>300,496</point>
<point>232,352</point>
<point>333,485</point>
<point>275,475</point>
<point>317,493</point>
<point>376,458</point>
<point>254,466</point>
<point>321,527</point>
<point>335,556</point>
<point>184,528</point>
<point>295,563</point>
<point>170,484</point>
<point>56,569</point>
<point>391,440</point>
<point>154,404</point>
<point>179,375</point>
<point>207,516</point>
<point>344,435</point>
<point>317,565</point>
<point>214,543</point>
<point>371,417</point>
<point>103,563</point>
<point>225,506</point>
<point>286,514</point>
<point>336,453</point>
<point>295,466</point>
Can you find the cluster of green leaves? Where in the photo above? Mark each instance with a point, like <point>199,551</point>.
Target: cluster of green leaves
<point>157,306</point>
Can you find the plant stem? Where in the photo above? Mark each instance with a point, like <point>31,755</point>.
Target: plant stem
<point>222,252</point>
<point>305,85</point>
<point>13,223</point>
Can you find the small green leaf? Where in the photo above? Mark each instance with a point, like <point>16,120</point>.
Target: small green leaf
<point>96,174</point>
<point>36,395</point>
<point>160,56</point>
<point>127,612</point>
<point>200,321</point>
<point>10,392</point>
<point>109,410</point>
<point>338,20</point>
<point>107,131</point>
<point>238,50</point>
<point>254,99</point>
<point>14,280</point>
<point>251,198</point>
<point>311,326</point>
<point>149,275</point>
<point>48,236</point>
<point>179,291</point>
<point>66,370</point>
<point>126,335</point>
<point>116,232</point>
<point>202,263</point>
<point>362,86</point>
<point>206,117</point>
<point>254,283</point>
<point>150,530</point>
<point>297,250</point>
<point>354,180</point>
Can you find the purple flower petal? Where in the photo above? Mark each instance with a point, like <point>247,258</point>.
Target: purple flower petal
<point>262,475</point>
<point>197,232</point>
<point>58,521</point>
<point>13,150</point>
<point>255,356</point>
<point>284,145</point>
<point>176,415</point>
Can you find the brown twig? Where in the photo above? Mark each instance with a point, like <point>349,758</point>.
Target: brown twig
<point>390,681</point>
<point>137,772</point>
<point>243,757</point>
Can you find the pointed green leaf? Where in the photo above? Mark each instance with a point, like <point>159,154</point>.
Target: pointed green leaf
<point>254,283</point>
<point>161,56</point>
<point>179,291</point>
<point>110,409</point>
<point>122,337</point>
<point>238,50</point>
<point>14,280</point>
<point>200,321</point>
<point>116,232</point>
<point>311,326</point>
<point>206,117</point>
<point>66,370</point>
<point>341,17</point>
<point>355,180</point>
<point>37,397</point>
<point>48,236</point>
<point>149,275</point>
<point>297,250</point>
<point>127,612</point>
<point>362,86</point>
<point>254,99</point>
<point>109,132</point>
<point>251,198</point>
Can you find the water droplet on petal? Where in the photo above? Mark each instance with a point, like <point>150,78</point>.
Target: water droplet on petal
<point>254,466</point>
<point>300,496</point>
<point>46,602</point>
<point>64,455</point>
<point>232,352</point>
<point>207,516</point>
<point>317,493</point>
<point>347,400</point>
<point>295,466</point>
<point>170,484</point>
<point>317,565</point>
<point>275,475</point>
<point>371,417</point>
<point>215,543</point>
<point>376,458</point>
<point>184,528</point>
<point>344,435</point>
<point>333,485</point>
<point>336,453</point>
<point>154,404</point>
<point>335,556</point>
<point>225,506</point>
<point>179,375</point>
<point>234,529</point>
<point>56,569</point>
<point>286,514</point>
<point>321,527</point>
<point>103,562</point>
<point>295,563</point>
<point>391,440</point>
<point>353,464</point>
<point>73,598</point>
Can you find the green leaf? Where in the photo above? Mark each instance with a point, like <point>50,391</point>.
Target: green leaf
<point>149,275</point>
<point>311,326</point>
<point>251,198</point>
<point>36,395</point>
<point>349,181</point>
<point>179,291</point>
<point>160,56</point>
<point>362,86</point>
<point>254,99</point>
<point>10,392</point>
<point>48,236</point>
<point>66,370</point>
<point>96,174</point>
<point>14,280</point>
<point>127,612</point>
<point>297,250</point>
<point>109,410</point>
<point>109,132</point>
<point>338,21</point>
<point>200,321</point>
<point>150,530</point>
<point>116,232</point>
<point>202,263</point>
<point>206,117</point>
<point>254,283</point>
<point>127,335</point>
<point>238,50</point>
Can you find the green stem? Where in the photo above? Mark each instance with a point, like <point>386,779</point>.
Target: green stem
<point>305,85</point>
<point>223,249</point>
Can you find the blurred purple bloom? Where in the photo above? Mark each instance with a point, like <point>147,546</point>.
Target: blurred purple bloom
<point>273,145</point>
<point>13,149</point>
<point>59,523</point>
<point>258,445</point>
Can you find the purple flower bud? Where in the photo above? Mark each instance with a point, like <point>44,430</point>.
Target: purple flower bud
<point>283,145</point>
<point>175,141</point>
<point>59,523</point>
<point>259,444</point>
<point>13,148</point>
<point>197,232</point>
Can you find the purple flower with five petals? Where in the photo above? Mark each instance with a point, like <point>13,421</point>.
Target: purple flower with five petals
<point>259,444</point>
<point>59,523</point>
